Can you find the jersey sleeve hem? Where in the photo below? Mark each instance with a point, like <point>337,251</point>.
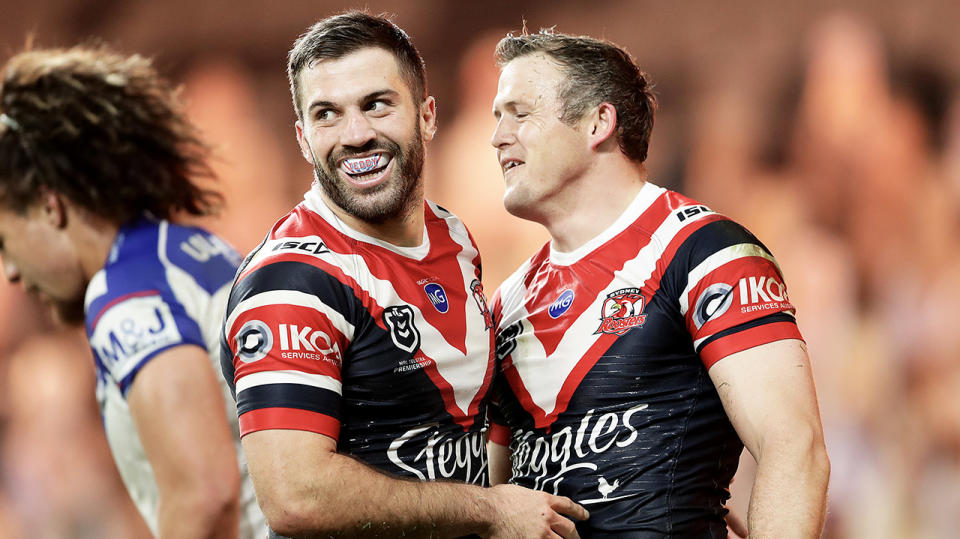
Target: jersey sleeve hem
<point>740,341</point>
<point>127,381</point>
<point>289,419</point>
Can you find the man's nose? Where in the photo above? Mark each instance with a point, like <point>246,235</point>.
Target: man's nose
<point>502,135</point>
<point>357,130</point>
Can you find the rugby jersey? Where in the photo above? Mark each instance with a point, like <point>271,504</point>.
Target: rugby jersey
<point>163,286</point>
<point>603,391</point>
<point>386,349</point>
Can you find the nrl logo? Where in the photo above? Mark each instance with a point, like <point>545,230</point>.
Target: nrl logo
<point>399,318</point>
<point>622,311</point>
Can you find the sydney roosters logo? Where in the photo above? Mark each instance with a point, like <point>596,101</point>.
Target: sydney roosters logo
<point>477,289</point>
<point>622,311</point>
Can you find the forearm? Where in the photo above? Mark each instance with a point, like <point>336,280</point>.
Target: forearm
<point>349,499</point>
<point>192,455</point>
<point>195,512</point>
<point>790,492</point>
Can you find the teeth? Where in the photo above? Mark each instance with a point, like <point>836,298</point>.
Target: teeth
<point>362,165</point>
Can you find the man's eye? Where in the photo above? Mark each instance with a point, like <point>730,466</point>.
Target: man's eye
<point>377,106</point>
<point>325,115</point>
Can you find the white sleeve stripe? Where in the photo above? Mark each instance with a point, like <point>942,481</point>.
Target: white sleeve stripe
<point>714,261</point>
<point>290,297</point>
<point>321,381</point>
<point>162,243</point>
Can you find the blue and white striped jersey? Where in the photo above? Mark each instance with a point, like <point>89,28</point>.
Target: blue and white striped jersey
<point>163,285</point>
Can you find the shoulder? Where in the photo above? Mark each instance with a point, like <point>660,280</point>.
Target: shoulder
<point>693,232</point>
<point>294,266</point>
<point>438,216</point>
<point>196,250</point>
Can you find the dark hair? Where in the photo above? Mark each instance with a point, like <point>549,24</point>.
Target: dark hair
<point>102,129</point>
<point>596,72</point>
<point>337,36</point>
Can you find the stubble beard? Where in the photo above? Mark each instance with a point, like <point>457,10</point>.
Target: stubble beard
<point>390,200</point>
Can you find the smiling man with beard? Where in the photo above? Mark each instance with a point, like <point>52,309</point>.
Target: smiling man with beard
<point>357,337</point>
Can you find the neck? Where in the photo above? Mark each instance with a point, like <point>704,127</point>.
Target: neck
<point>405,230</point>
<point>589,206</point>
<point>92,237</point>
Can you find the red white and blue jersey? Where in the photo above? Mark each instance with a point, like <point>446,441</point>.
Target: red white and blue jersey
<point>386,349</point>
<point>163,286</point>
<point>603,392</point>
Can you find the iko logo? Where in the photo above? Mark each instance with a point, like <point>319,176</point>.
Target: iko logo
<point>561,304</point>
<point>762,289</point>
<point>756,293</point>
<point>762,293</point>
<point>399,320</point>
<point>308,343</point>
<point>622,311</point>
<point>254,341</point>
<point>438,297</point>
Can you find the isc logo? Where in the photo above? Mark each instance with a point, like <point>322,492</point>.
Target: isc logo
<point>561,304</point>
<point>437,296</point>
<point>682,215</point>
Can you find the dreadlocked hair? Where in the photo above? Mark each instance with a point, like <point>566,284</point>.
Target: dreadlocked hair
<point>102,129</point>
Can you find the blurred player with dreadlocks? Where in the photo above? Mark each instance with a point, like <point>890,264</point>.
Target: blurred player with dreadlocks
<point>96,162</point>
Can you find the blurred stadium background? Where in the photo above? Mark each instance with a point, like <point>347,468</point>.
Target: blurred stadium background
<point>830,129</point>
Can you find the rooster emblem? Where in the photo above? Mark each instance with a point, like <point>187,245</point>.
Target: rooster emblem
<point>606,488</point>
<point>622,311</point>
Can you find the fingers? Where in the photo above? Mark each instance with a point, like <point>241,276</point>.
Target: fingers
<point>566,506</point>
<point>565,528</point>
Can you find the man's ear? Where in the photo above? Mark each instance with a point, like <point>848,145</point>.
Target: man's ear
<point>428,118</point>
<point>602,126</point>
<point>303,142</point>
<point>54,208</point>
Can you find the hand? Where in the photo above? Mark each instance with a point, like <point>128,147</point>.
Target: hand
<point>522,513</point>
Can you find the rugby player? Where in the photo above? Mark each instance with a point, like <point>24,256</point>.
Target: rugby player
<point>651,338</point>
<point>358,338</point>
<point>96,164</point>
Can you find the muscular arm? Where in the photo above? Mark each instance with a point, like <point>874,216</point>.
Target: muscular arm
<point>307,489</point>
<point>769,395</point>
<point>178,409</point>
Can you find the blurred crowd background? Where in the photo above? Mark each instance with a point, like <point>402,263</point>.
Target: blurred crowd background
<point>830,129</point>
